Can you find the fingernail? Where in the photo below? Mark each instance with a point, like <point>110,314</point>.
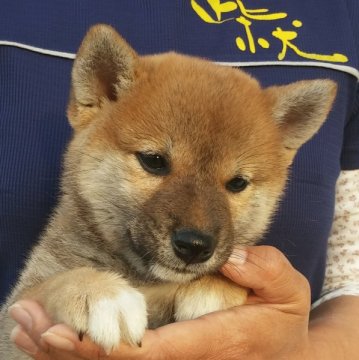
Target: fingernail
<point>238,257</point>
<point>21,316</point>
<point>58,341</point>
<point>23,341</point>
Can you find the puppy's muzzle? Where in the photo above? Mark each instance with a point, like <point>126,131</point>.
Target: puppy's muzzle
<point>192,246</point>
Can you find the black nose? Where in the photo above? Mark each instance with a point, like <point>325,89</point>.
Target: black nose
<point>192,246</point>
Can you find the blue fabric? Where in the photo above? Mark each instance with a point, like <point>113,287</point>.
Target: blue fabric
<point>34,91</point>
<point>162,25</point>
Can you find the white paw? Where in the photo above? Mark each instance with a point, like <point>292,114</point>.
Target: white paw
<point>196,305</point>
<point>206,295</point>
<point>121,318</point>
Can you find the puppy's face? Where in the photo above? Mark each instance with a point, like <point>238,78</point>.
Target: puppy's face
<point>179,159</point>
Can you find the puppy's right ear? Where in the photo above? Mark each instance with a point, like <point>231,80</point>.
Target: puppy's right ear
<point>103,69</point>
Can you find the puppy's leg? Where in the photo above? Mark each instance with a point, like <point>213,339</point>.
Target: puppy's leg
<point>207,294</point>
<point>160,302</point>
<point>98,303</point>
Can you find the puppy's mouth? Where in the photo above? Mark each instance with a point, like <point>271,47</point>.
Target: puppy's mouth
<point>181,275</point>
<point>174,269</point>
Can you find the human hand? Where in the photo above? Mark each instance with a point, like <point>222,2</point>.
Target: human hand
<point>272,325</point>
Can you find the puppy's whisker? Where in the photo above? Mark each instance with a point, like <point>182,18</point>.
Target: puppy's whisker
<point>82,171</point>
<point>91,156</point>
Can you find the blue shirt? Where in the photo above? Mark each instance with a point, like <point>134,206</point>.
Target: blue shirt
<point>277,41</point>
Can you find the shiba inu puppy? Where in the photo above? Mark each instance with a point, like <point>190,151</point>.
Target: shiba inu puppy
<point>174,161</point>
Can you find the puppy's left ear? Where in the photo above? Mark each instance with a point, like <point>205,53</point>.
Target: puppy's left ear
<point>300,109</point>
<point>103,70</point>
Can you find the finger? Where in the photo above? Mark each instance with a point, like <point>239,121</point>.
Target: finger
<point>166,342</point>
<point>55,354</point>
<point>61,337</point>
<point>32,318</point>
<point>23,342</point>
<point>62,341</point>
<point>271,276</point>
<point>64,344</point>
<point>36,330</point>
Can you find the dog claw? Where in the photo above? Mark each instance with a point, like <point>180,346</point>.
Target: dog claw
<point>81,335</point>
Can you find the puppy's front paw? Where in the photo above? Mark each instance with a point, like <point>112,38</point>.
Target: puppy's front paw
<point>100,304</point>
<point>123,317</point>
<point>206,295</point>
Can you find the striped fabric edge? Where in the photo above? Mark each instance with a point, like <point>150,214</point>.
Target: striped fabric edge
<point>60,54</point>
<point>348,290</point>
<point>343,68</point>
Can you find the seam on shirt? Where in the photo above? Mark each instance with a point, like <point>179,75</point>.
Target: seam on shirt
<point>343,68</point>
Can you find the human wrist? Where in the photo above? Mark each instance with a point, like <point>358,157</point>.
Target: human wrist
<point>324,342</point>
<point>333,330</point>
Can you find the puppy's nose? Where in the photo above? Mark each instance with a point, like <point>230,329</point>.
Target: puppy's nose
<point>192,246</point>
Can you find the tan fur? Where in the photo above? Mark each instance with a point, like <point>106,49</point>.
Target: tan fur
<point>108,242</point>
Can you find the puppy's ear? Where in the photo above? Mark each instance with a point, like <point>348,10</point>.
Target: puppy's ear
<point>102,71</point>
<point>300,109</point>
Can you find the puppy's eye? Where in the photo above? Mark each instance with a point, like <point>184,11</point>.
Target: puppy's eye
<point>237,184</point>
<point>153,163</point>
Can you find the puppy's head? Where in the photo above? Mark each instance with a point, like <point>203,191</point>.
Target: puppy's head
<point>175,159</point>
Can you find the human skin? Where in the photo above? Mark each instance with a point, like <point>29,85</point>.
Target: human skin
<point>276,323</point>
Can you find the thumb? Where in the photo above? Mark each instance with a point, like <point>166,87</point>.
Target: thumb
<point>266,271</point>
